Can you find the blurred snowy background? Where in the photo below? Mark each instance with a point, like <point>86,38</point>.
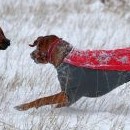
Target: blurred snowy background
<point>86,24</point>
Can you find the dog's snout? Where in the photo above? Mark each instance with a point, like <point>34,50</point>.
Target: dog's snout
<point>33,55</point>
<point>7,41</point>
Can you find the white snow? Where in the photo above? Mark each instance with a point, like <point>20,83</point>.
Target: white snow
<point>86,24</point>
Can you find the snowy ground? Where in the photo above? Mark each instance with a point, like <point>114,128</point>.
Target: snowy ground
<point>86,24</point>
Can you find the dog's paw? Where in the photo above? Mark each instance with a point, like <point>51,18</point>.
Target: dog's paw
<point>22,107</point>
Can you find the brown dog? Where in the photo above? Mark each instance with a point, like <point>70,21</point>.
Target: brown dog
<point>4,42</point>
<point>40,55</point>
<point>75,81</point>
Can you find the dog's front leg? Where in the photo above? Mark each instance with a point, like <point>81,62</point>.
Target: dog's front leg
<point>60,98</point>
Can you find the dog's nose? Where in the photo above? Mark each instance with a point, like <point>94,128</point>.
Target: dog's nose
<point>7,42</point>
<point>32,55</point>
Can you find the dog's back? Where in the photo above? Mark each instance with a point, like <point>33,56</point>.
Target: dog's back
<point>78,81</point>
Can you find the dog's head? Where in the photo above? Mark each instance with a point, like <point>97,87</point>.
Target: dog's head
<point>4,42</point>
<point>44,48</point>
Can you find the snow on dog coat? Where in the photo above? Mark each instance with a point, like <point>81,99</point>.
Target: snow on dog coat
<point>118,59</point>
<point>93,73</point>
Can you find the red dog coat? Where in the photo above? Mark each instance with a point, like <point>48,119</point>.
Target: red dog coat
<point>118,59</point>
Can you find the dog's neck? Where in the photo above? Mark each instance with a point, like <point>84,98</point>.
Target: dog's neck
<point>61,51</point>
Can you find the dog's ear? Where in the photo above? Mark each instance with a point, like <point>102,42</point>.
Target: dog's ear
<point>34,44</point>
<point>36,41</point>
<point>45,40</point>
<point>50,39</point>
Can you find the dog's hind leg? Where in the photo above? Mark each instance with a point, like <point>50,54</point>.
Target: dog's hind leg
<point>60,98</point>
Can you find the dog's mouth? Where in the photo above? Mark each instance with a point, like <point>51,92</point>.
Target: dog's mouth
<point>39,60</point>
<point>36,61</point>
<point>4,47</point>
